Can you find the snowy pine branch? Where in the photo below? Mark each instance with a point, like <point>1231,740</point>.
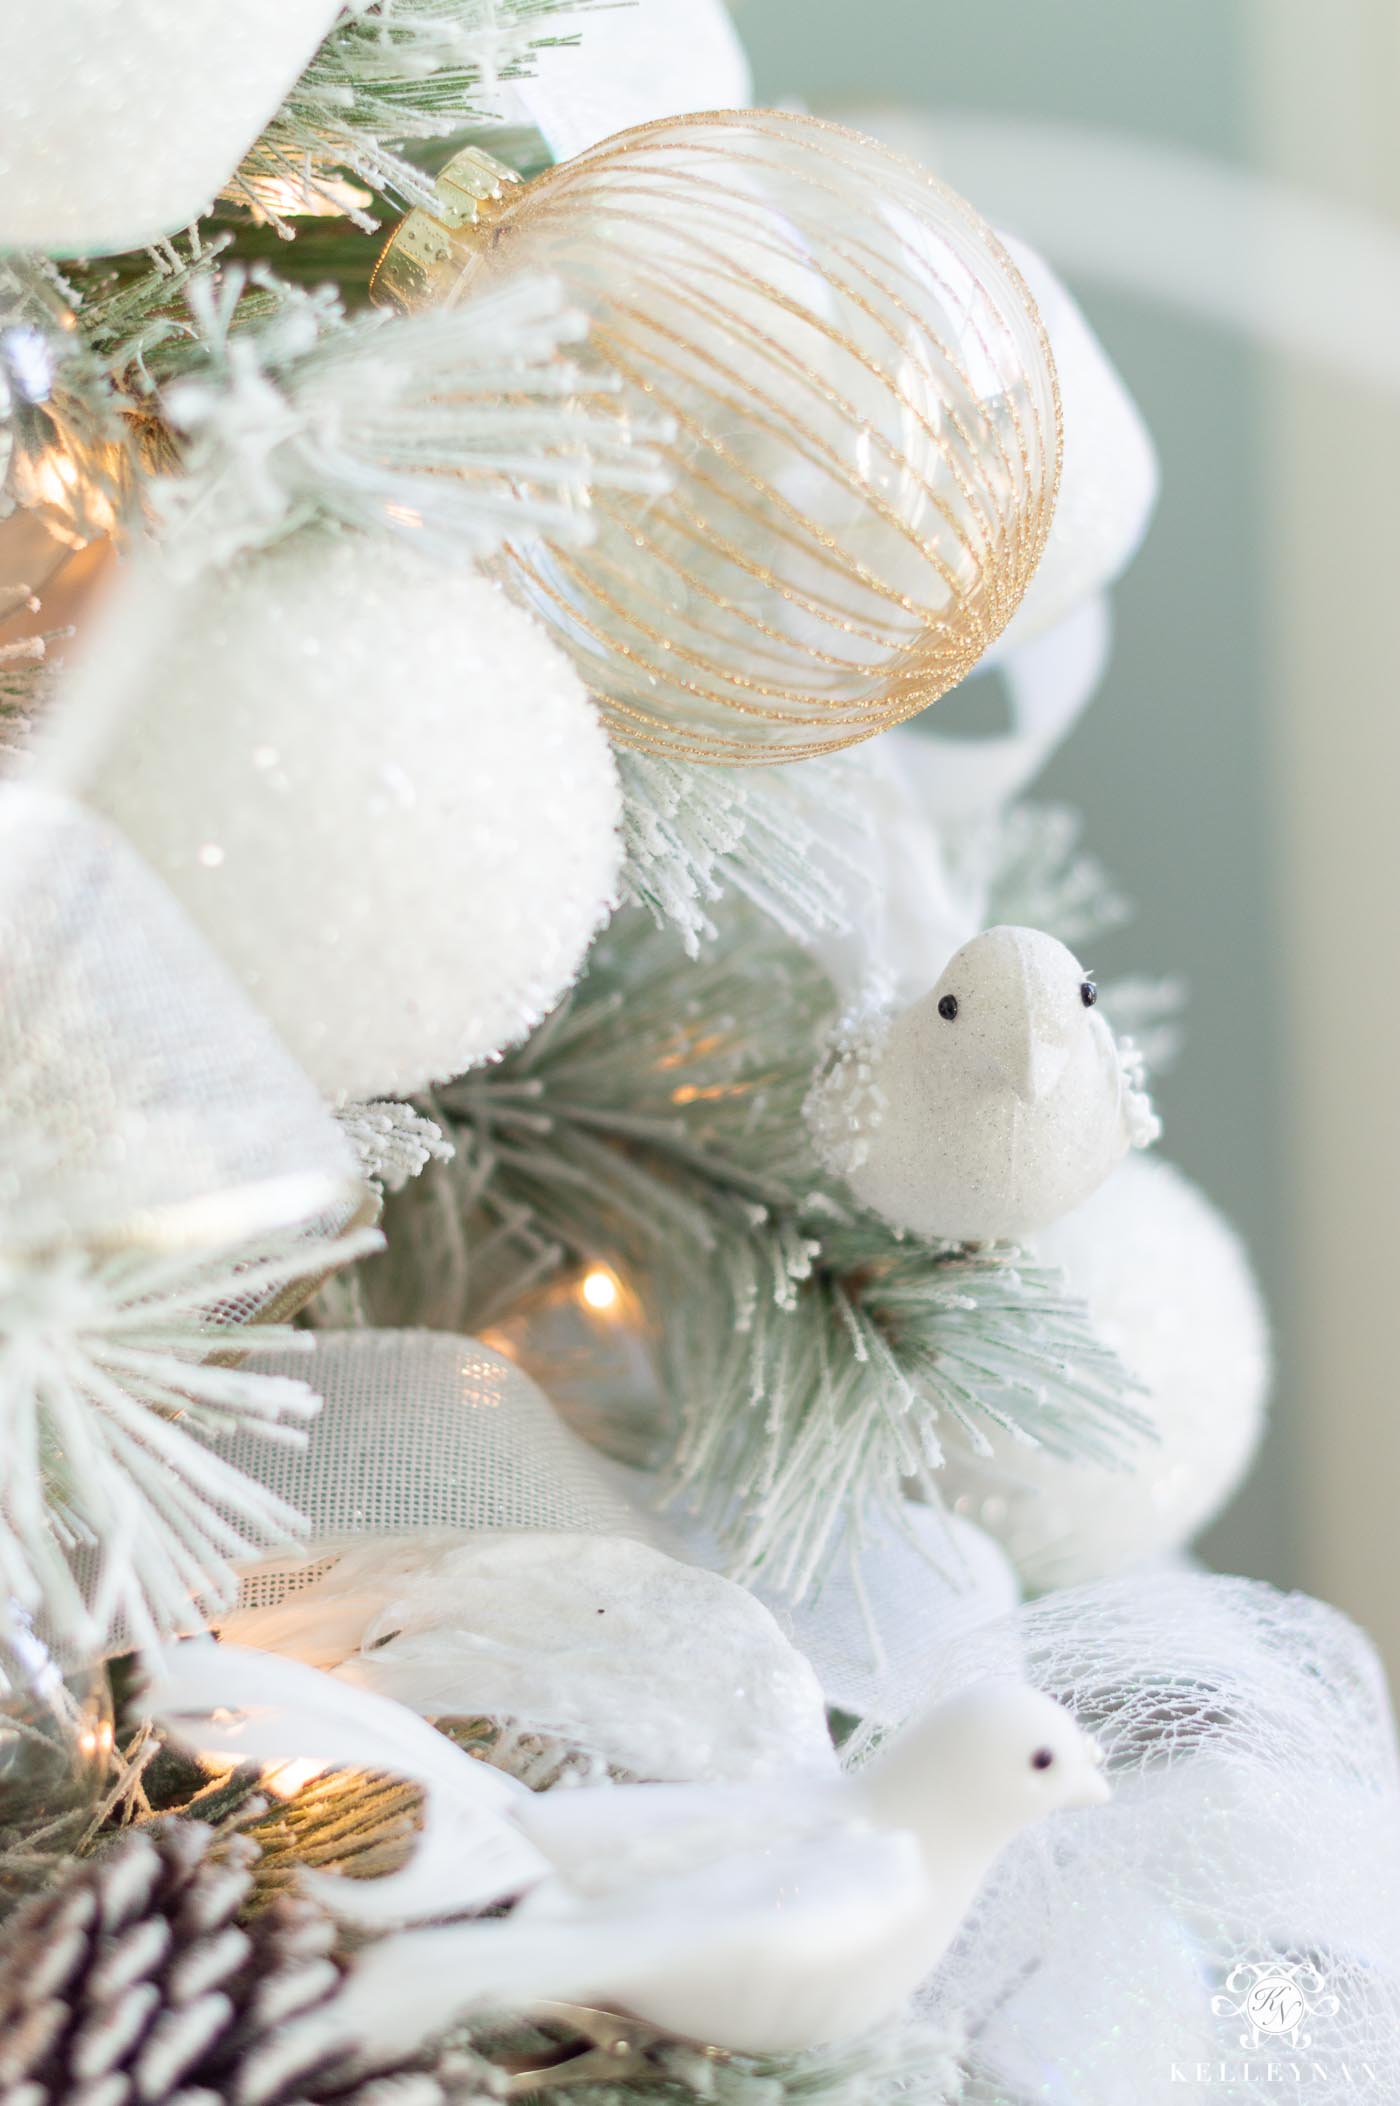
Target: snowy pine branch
<point>117,1372</point>
<point>910,2062</point>
<point>1038,876</point>
<point>692,833</point>
<point>391,73</point>
<point>65,449</point>
<point>1033,872</point>
<point>228,408</point>
<point>460,428</point>
<point>25,678</point>
<point>392,1143</point>
<point>813,1383</point>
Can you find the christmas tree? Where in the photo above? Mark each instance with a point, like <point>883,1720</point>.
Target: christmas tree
<point>605,1390</point>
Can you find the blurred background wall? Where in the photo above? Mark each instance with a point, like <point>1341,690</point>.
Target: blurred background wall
<point>1239,768</point>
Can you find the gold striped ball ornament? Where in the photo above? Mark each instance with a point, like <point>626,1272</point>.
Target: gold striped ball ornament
<point>858,408</point>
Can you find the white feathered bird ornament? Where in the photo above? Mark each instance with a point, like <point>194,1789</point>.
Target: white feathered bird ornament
<point>758,1917</point>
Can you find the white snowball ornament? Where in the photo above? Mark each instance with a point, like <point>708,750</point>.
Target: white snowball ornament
<point>120,120</point>
<point>1170,1288</point>
<point>991,1106</point>
<point>374,784</point>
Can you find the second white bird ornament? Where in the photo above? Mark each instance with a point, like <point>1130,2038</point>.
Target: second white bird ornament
<point>761,1917</point>
<point>991,1106</point>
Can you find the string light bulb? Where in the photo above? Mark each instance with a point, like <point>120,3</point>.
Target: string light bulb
<point>96,1741</point>
<point>599,1289</point>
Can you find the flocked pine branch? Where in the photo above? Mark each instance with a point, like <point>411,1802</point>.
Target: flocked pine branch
<point>812,1353</point>
<point>820,1387</point>
<point>117,1376</point>
<point>65,448</point>
<point>692,833</point>
<point>911,2062</point>
<point>459,428</point>
<point>1032,870</point>
<point>392,1142</point>
<point>83,351</point>
<point>26,675</point>
<point>241,406</point>
<point>1150,1009</point>
<point>391,73</point>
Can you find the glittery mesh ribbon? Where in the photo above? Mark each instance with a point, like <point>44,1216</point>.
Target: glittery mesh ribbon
<point>1235,1911</point>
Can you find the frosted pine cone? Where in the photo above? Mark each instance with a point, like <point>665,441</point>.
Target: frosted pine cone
<point>134,1985</point>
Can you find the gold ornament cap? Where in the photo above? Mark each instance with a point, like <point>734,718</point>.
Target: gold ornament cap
<point>422,257</point>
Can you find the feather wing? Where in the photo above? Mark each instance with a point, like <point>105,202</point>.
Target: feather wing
<point>324,1620</point>
<point>763,1952</point>
<point>244,1705</point>
<point>614,1835</point>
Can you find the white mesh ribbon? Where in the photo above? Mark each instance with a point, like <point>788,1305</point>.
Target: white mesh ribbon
<point>1229,1927</point>
<point>421,1430</point>
<point>141,1096</point>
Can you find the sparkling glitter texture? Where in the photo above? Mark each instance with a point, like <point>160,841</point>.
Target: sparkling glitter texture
<point>380,791</point>
<point>988,1108</point>
<point>1171,1290</point>
<point>865,418</point>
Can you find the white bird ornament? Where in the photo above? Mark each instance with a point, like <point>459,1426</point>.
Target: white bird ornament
<point>754,1917</point>
<point>991,1106</point>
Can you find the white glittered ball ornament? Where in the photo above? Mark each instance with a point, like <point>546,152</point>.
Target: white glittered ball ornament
<point>120,120</point>
<point>1170,1289</point>
<point>373,783</point>
<point>991,1106</point>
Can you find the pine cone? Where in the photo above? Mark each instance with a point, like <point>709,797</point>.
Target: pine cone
<point>134,1984</point>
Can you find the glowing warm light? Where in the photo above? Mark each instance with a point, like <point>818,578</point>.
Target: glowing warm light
<point>75,508</point>
<point>329,197</point>
<point>96,1740</point>
<point>285,1779</point>
<point>599,1289</point>
<point>282,1779</point>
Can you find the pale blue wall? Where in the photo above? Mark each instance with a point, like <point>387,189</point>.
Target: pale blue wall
<point>1171,765</point>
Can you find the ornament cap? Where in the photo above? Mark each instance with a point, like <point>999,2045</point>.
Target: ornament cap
<point>423,254</point>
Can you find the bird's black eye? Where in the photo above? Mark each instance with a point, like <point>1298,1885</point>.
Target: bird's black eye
<point>1042,1758</point>
<point>948,1008</point>
<point>1088,993</point>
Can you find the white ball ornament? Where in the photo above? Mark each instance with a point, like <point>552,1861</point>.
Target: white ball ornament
<point>1169,1286</point>
<point>989,1107</point>
<point>376,786</point>
<point>121,122</point>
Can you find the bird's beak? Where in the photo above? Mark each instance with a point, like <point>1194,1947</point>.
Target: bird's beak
<point>1035,1067</point>
<point>1095,1789</point>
